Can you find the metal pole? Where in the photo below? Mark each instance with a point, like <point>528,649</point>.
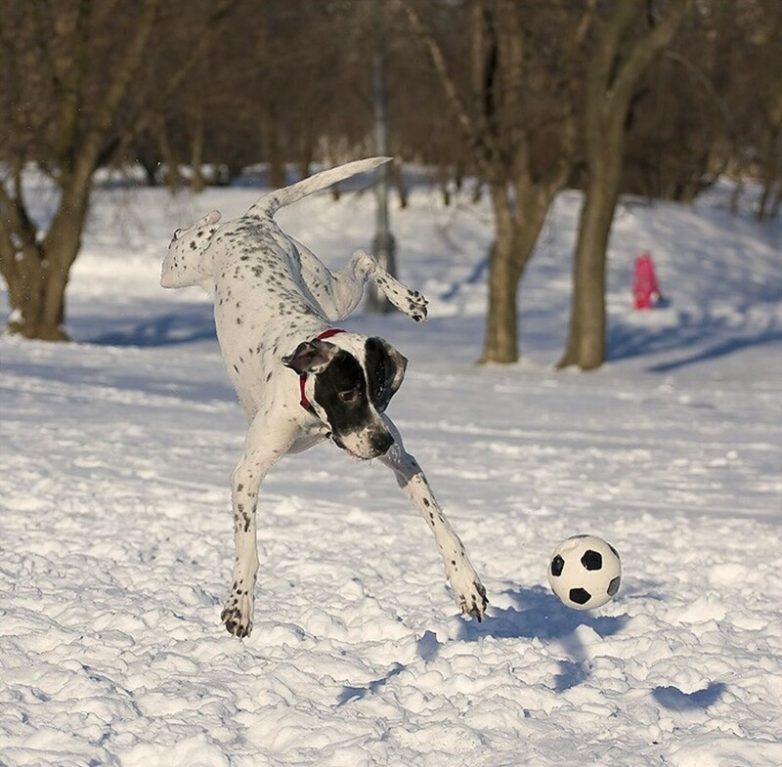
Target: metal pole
<point>383,244</point>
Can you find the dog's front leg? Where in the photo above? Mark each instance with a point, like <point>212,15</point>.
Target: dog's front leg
<point>469,591</point>
<point>266,443</point>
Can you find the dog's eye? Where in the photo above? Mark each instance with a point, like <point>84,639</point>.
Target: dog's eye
<point>349,395</point>
<point>177,233</point>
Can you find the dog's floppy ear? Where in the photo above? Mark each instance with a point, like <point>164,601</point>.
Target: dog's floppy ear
<point>385,371</point>
<point>310,357</point>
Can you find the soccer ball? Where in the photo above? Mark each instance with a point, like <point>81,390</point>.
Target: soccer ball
<point>585,572</point>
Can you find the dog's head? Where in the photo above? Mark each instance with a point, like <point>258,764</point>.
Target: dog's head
<point>349,383</point>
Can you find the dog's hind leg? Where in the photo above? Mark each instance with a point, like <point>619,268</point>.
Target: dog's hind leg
<point>469,591</point>
<point>339,294</point>
<point>349,287</point>
<point>266,443</point>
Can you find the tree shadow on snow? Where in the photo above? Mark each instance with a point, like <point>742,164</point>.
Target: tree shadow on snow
<point>188,324</point>
<point>718,350</point>
<point>538,614</point>
<point>695,339</point>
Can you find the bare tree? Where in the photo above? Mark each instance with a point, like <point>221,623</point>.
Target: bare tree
<point>618,59</point>
<point>72,68</point>
<point>505,117</point>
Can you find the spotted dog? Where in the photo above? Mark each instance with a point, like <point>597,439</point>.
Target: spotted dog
<point>300,380</point>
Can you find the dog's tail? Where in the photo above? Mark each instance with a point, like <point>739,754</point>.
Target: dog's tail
<point>269,204</point>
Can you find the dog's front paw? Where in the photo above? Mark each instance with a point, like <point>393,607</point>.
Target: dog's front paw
<point>475,601</point>
<point>470,593</point>
<point>237,615</point>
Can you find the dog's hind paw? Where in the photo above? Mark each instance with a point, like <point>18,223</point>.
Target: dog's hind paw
<point>237,615</point>
<point>409,302</point>
<point>417,306</point>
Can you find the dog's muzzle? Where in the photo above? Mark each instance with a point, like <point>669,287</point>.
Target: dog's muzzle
<point>378,444</point>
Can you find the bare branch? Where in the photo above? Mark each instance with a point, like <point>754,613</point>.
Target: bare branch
<point>70,84</point>
<point>117,88</point>
<point>148,115</point>
<point>476,140</point>
<point>645,49</point>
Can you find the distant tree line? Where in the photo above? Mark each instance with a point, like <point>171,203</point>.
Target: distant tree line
<point>651,97</point>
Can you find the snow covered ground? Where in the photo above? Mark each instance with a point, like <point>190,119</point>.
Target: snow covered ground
<point>116,540</point>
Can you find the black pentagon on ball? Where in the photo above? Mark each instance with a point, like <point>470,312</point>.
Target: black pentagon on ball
<point>592,560</point>
<point>557,564</point>
<point>613,587</point>
<point>579,596</point>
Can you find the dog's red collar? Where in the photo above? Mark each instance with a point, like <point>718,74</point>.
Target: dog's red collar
<point>304,402</point>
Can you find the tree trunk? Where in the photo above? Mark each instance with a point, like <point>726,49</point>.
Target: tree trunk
<point>777,201</point>
<point>735,195</point>
<point>501,343</point>
<point>307,152</point>
<point>398,180</point>
<point>586,336</point>
<point>270,131</point>
<point>26,293</point>
<point>173,178</point>
<point>443,179</point>
<point>149,166</point>
<point>197,180</point>
<point>37,284</point>
<point>770,174</point>
<point>37,270</point>
<point>517,224</point>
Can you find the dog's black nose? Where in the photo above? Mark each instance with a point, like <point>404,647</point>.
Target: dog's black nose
<point>381,443</point>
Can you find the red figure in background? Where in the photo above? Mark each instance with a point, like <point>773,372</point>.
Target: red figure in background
<point>646,291</point>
